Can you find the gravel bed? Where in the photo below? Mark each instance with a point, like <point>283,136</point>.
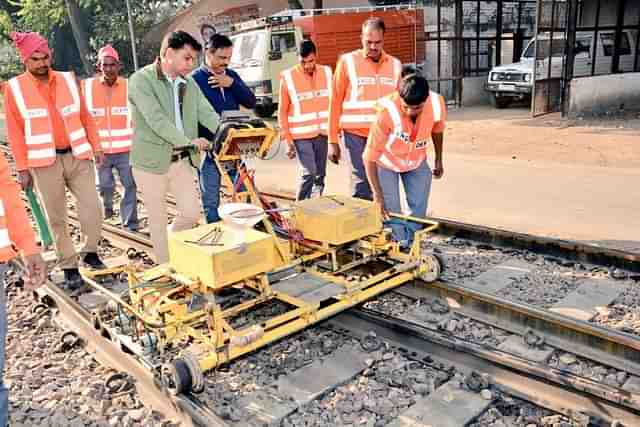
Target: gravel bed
<point>259,314</point>
<point>258,370</point>
<point>51,385</point>
<point>541,288</point>
<point>624,313</point>
<point>508,411</point>
<point>464,259</point>
<point>550,279</point>
<point>384,390</point>
<point>588,369</point>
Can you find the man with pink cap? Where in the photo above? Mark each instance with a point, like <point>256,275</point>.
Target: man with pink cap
<point>54,143</point>
<point>106,96</point>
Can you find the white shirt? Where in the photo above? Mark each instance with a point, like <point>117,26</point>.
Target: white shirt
<point>175,88</point>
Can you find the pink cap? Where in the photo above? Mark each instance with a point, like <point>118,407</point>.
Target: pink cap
<point>108,50</point>
<point>30,43</point>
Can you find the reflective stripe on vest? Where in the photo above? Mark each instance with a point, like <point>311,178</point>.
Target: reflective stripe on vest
<point>310,113</point>
<point>358,107</point>
<point>114,125</point>
<point>33,108</point>
<point>6,249</point>
<point>416,156</point>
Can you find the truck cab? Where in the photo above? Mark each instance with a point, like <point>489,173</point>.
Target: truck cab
<point>261,50</point>
<point>507,83</point>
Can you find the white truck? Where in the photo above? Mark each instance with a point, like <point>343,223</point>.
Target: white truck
<point>261,50</point>
<point>507,83</point>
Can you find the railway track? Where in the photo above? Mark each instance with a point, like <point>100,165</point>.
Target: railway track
<point>530,351</point>
<point>553,353</point>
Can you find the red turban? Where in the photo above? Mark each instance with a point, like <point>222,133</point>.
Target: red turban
<point>108,50</point>
<point>29,43</point>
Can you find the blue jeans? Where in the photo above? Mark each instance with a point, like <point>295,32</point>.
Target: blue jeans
<point>107,185</point>
<point>359,183</point>
<point>4,391</point>
<point>417,186</point>
<point>209,179</point>
<point>312,154</point>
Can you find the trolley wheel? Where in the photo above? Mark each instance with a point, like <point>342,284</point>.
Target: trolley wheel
<point>176,377</point>
<point>431,266</point>
<point>197,376</point>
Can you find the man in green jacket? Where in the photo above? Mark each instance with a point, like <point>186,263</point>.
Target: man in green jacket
<point>167,106</point>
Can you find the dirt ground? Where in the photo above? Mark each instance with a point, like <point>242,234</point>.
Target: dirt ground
<point>513,134</point>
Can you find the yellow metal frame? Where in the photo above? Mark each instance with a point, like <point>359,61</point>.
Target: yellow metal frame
<point>264,136</point>
<point>166,311</point>
<point>160,298</point>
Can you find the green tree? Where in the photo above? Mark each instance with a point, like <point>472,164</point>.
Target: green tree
<point>86,25</point>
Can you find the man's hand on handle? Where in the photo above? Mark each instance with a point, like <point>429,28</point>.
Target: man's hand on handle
<point>25,180</point>
<point>334,153</point>
<point>203,144</point>
<point>98,157</point>
<point>291,150</point>
<point>438,171</point>
<point>379,200</point>
<point>36,271</point>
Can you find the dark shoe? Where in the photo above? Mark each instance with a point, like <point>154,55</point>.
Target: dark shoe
<point>72,279</point>
<point>92,260</point>
<point>108,213</point>
<point>133,227</point>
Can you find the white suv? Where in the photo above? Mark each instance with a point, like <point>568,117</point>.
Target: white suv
<point>515,81</point>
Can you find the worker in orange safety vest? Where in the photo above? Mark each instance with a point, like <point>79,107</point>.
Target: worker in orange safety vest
<point>54,139</point>
<point>361,78</point>
<point>303,114</point>
<point>106,96</point>
<point>407,123</point>
<point>17,239</point>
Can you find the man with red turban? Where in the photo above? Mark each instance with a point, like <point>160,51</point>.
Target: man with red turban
<point>54,143</point>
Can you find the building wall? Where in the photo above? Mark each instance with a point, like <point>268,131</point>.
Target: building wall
<point>608,13</point>
<point>602,95</point>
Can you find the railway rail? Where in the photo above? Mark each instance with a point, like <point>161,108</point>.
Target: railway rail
<point>532,353</point>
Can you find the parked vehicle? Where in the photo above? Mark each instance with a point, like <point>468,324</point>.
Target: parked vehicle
<point>515,81</point>
<point>264,47</point>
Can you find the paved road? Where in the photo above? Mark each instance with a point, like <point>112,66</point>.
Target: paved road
<point>584,203</point>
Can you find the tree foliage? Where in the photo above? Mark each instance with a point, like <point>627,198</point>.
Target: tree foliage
<point>103,21</point>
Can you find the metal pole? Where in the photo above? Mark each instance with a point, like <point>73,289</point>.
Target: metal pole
<point>133,37</point>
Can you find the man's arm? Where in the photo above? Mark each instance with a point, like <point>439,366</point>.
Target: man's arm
<point>18,223</point>
<point>142,97</point>
<point>437,136</point>
<point>378,136</point>
<point>241,92</point>
<point>284,104</point>
<point>89,124</point>
<point>15,130</point>
<point>338,91</point>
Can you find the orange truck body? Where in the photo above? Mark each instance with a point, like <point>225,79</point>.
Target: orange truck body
<point>339,33</point>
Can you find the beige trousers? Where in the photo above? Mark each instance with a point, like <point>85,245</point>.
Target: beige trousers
<point>180,181</point>
<point>79,177</point>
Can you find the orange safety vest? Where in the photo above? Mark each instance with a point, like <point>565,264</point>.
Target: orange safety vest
<point>6,248</point>
<point>403,151</point>
<point>367,84</point>
<point>309,116</point>
<point>41,150</point>
<point>114,123</point>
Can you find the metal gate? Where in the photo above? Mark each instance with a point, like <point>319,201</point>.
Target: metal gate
<point>551,53</point>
